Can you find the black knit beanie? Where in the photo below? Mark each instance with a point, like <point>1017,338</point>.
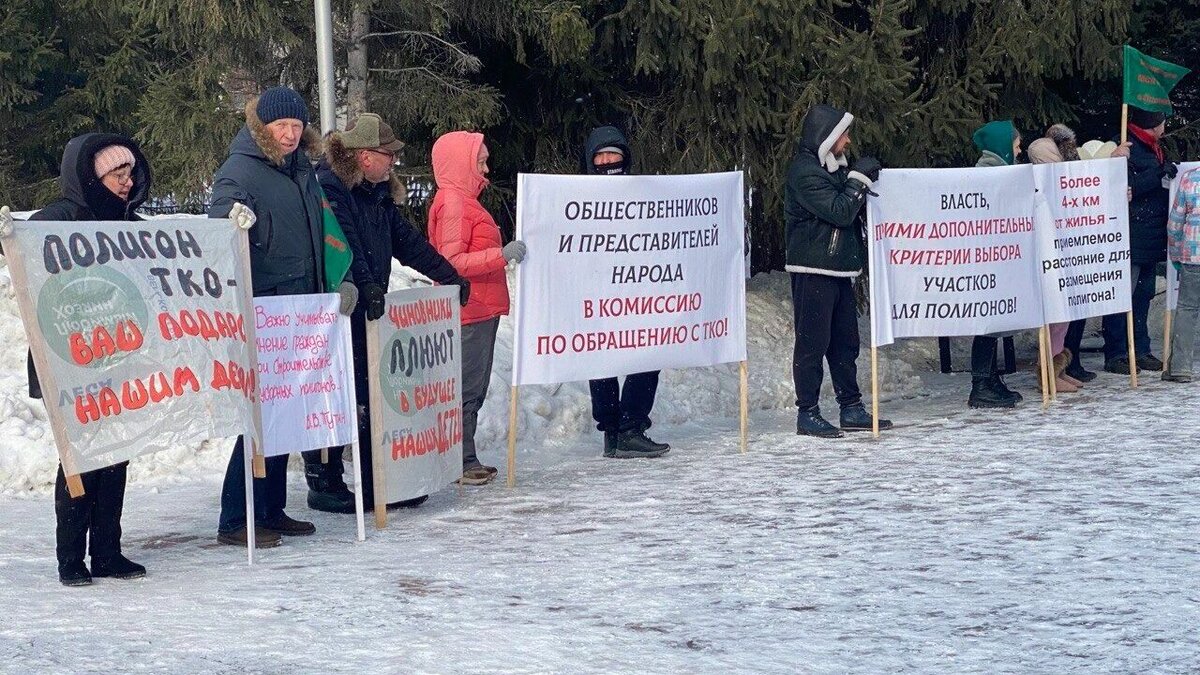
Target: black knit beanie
<point>279,103</point>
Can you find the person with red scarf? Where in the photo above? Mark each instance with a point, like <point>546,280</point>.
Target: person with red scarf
<point>1149,177</point>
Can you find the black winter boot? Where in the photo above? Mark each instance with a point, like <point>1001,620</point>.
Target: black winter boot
<point>998,385</point>
<point>327,489</point>
<point>1080,373</point>
<point>289,527</point>
<point>636,443</point>
<point>1149,362</point>
<point>1119,365</point>
<point>986,394</point>
<point>117,567</point>
<point>610,443</point>
<point>856,418</point>
<point>810,423</point>
<point>74,574</point>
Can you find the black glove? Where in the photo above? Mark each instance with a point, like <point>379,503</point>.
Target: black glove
<point>869,167</point>
<point>464,291</point>
<point>372,299</point>
<point>1170,170</point>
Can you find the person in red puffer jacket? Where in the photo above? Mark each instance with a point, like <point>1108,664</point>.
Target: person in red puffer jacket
<point>467,235</point>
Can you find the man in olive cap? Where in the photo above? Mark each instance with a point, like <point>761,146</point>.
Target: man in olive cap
<point>356,174</point>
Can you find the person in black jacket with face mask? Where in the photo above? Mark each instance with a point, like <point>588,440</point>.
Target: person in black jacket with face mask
<point>103,177</point>
<point>622,413</point>
<point>356,175</point>
<point>823,210</point>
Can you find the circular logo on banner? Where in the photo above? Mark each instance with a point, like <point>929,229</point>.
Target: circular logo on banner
<point>399,375</point>
<point>92,317</point>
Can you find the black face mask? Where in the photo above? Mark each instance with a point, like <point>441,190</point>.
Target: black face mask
<point>610,169</point>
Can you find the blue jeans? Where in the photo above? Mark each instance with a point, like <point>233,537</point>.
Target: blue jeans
<point>1116,344</point>
<point>270,493</point>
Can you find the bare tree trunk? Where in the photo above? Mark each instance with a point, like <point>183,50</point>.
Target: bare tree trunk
<point>356,59</point>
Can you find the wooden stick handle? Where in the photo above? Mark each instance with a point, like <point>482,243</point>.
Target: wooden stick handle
<point>1133,368</point>
<point>1166,340</point>
<point>1043,371</point>
<point>260,463</point>
<point>379,465</point>
<point>75,486</point>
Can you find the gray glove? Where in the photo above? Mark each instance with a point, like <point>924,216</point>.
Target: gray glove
<point>349,293</point>
<point>514,251</point>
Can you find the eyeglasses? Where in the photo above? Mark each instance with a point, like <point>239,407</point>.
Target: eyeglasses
<point>122,176</point>
<point>390,155</point>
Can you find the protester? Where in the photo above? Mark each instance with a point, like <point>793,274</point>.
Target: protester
<point>999,144</point>
<point>1149,175</point>
<point>1183,251</point>
<point>268,172</point>
<point>356,175</point>
<point>824,204</point>
<point>1058,145</point>
<point>621,412</point>
<point>465,233</point>
<point>103,177</point>
<point>1073,340</point>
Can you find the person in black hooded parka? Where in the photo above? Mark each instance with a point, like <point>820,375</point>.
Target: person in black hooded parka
<point>823,211</point>
<point>622,413</point>
<point>103,177</point>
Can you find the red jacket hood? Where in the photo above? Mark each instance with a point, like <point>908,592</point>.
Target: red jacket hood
<point>455,157</point>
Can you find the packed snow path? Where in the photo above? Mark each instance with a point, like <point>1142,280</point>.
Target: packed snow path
<point>966,541</point>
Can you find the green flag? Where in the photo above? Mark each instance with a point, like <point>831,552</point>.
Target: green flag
<point>1149,81</point>
<point>337,247</point>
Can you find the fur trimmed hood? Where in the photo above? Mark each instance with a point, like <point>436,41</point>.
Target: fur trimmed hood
<point>344,165</point>
<point>310,139</point>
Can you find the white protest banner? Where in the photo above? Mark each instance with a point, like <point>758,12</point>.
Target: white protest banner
<point>1082,223</point>
<point>305,373</point>
<point>138,333</point>
<point>1173,276</point>
<point>416,394</point>
<point>627,274</point>
<point>952,252</point>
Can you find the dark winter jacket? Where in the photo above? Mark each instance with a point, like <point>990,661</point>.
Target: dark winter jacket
<point>606,137</point>
<point>86,198</point>
<point>823,201</point>
<point>286,242</point>
<point>376,230</point>
<point>1149,209</point>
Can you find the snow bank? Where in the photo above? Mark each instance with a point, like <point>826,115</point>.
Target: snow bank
<point>552,414</point>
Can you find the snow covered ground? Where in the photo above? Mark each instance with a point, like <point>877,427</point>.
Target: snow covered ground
<point>964,541</point>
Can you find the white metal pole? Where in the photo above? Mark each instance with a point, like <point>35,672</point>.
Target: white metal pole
<point>324,16</point>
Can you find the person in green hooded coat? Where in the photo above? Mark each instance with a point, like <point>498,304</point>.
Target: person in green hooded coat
<point>999,144</point>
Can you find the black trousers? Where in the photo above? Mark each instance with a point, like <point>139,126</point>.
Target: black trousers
<point>93,520</point>
<point>983,357</point>
<point>624,408</point>
<point>826,321</point>
<point>1115,326</point>
<point>270,493</point>
<point>1073,340</point>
